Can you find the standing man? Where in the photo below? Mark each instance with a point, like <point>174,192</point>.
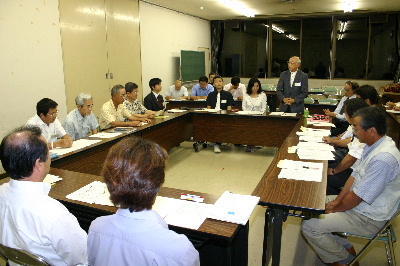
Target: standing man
<point>154,100</point>
<point>369,198</point>
<point>177,91</point>
<point>236,88</point>
<point>46,120</point>
<point>202,89</point>
<point>113,112</point>
<point>81,122</point>
<point>29,218</point>
<point>131,102</point>
<point>292,88</point>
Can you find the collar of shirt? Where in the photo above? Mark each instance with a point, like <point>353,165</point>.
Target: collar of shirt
<point>149,215</point>
<point>30,187</point>
<point>368,149</point>
<point>155,94</point>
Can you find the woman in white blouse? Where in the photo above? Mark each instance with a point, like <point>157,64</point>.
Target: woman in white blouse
<point>255,99</point>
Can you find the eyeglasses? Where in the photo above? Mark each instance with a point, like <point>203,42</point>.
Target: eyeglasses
<point>53,114</point>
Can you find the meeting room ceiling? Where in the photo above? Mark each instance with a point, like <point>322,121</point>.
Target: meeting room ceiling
<point>214,10</point>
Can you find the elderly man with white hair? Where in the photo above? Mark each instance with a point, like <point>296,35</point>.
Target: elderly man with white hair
<point>81,122</point>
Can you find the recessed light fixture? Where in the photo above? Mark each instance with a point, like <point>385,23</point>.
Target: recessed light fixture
<point>238,7</point>
<point>348,6</point>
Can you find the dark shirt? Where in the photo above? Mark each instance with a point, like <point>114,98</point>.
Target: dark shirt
<point>226,99</point>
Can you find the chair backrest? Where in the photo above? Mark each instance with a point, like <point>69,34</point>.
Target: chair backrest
<point>317,97</point>
<point>317,90</point>
<point>328,100</point>
<point>330,90</point>
<point>22,257</point>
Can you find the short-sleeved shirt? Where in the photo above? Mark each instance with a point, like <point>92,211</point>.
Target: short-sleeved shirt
<point>226,99</point>
<point>110,114</point>
<point>78,126</point>
<point>134,107</point>
<point>236,93</point>
<point>183,92</point>
<point>50,132</point>
<point>198,91</point>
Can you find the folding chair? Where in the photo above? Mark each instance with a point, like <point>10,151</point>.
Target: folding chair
<point>22,257</point>
<point>309,101</point>
<point>330,91</point>
<point>386,235</point>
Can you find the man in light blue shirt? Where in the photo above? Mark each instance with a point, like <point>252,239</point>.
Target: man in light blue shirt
<point>369,198</point>
<point>81,122</point>
<point>201,90</point>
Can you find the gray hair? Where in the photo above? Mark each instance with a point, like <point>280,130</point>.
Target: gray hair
<point>115,90</point>
<point>82,98</point>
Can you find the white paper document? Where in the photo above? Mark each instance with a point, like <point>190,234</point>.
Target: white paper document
<point>313,132</point>
<point>105,135</point>
<point>76,145</point>
<point>234,208</point>
<point>51,179</point>
<point>95,192</point>
<point>300,170</point>
<point>177,111</point>
<point>211,110</point>
<point>289,114</point>
<point>276,113</point>
<point>249,112</point>
<point>311,138</point>
<point>181,213</point>
<point>320,124</point>
<point>393,111</point>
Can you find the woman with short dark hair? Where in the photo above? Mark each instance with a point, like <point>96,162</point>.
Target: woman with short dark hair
<point>136,235</point>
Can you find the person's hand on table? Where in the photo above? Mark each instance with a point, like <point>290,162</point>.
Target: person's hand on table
<point>63,143</point>
<point>329,113</point>
<point>328,140</point>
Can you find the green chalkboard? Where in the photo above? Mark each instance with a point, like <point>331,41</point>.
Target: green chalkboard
<point>193,65</point>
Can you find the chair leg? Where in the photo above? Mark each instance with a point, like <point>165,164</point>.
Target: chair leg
<point>390,248</point>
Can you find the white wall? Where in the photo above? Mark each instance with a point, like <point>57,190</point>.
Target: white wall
<point>164,33</point>
<point>31,60</point>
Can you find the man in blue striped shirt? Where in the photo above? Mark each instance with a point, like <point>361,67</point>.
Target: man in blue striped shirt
<point>369,198</point>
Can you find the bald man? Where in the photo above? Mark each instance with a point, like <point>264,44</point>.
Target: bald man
<point>177,91</point>
<point>292,88</point>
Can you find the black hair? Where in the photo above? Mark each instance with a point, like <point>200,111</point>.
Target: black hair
<point>44,105</point>
<point>203,78</point>
<point>20,149</point>
<point>353,105</point>
<point>153,82</point>
<point>253,81</point>
<point>373,117</point>
<point>368,92</point>
<point>130,86</point>
<point>235,81</point>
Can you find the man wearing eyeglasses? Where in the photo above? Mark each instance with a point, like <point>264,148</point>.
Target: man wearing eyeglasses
<point>292,88</point>
<point>46,119</point>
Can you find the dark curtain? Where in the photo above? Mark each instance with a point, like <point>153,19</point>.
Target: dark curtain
<point>397,34</point>
<point>217,40</point>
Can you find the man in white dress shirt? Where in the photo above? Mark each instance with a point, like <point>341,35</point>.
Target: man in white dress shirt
<point>29,218</point>
<point>46,120</point>
<point>177,91</point>
<point>236,88</point>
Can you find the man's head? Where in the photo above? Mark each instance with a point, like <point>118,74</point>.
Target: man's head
<point>203,82</point>
<point>368,93</point>
<point>211,77</point>
<point>218,83</point>
<point>134,173</point>
<point>24,153</point>
<point>46,109</point>
<point>132,91</point>
<point>235,81</point>
<point>352,106</point>
<point>350,87</point>
<point>118,94</point>
<point>178,85</point>
<point>84,103</point>
<point>369,124</point>
<point>294,63</point>
<point>155,85</point>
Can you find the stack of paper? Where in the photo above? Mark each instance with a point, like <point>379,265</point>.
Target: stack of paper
<point>51,179</point>
<point>314,151</point>
<point>76,145</point>
<point>300,170</point>
<point>249,112</point>
<point>95,192</point>
<point>234,208</point>
<point>283,114</point>
<point>177,111</point>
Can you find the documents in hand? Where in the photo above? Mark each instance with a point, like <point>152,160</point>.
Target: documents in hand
<point>234,208</point>
<point>300,170</point>
<point>76,145</point>
<point>183,213</point>
<point>95,192</point>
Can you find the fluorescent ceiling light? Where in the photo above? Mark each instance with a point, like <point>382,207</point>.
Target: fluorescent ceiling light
<point>238,7</point>
<point>348,6</point>
<point>279,30</point>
